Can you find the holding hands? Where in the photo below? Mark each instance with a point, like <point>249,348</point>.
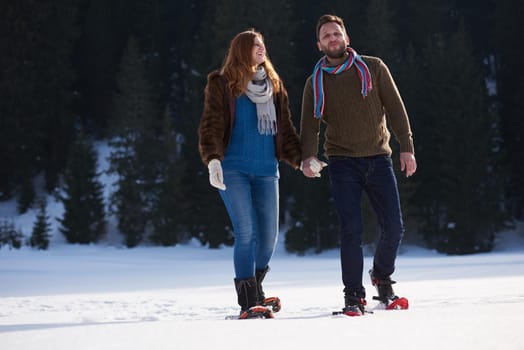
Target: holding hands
<point>312,166</point>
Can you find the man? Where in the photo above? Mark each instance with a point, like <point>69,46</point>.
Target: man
<point>352,95</point>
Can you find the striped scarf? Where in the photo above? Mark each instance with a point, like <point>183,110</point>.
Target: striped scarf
<point>321,66</point>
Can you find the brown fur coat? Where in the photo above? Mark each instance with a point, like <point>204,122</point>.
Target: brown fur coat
<point>216,123</point>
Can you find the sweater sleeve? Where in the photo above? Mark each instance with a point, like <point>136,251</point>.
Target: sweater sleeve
<point>395,109</point>
<point>290,150</point>
<point>309,125</point>
<point>212,123</point>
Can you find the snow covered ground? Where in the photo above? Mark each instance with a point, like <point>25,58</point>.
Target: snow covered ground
<point>104,297</point>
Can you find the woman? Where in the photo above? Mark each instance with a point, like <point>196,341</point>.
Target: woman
<point>244,131</point>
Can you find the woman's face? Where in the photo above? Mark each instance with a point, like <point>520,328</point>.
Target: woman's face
<point>258,52</point>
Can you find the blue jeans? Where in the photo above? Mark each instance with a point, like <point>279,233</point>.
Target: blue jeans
<point>349,178</point>
<point>252,204</point>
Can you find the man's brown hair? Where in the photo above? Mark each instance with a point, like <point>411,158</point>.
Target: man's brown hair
<point>327,19</point>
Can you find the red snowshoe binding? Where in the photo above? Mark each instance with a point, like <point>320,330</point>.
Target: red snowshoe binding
<point>386,296</point>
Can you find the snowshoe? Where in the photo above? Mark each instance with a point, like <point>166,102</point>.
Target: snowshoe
<point>256,312</point>
<point>273,303</point>
<point>386,296</point>
<point>353,310</point>
<point>355,305</point>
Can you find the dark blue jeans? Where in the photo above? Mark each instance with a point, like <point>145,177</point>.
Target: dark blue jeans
<point>350,177</point>
<point>252,204</point>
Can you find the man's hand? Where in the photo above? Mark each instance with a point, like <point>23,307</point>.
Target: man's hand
<point>408,163</point>
<point>312,166</point>
<point>216,177</point>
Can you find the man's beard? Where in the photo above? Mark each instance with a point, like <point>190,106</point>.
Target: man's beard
<point>338,53</point>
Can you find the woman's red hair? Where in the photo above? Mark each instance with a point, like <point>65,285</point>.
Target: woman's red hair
<point>238,66</point>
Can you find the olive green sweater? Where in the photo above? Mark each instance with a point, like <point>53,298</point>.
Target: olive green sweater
<point>356,126</point>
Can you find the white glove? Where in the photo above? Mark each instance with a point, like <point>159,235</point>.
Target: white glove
<point>216,177</point>
<point>315,167</point>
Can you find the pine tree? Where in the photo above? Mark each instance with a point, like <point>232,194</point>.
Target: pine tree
<point>408,83</point>
<point>459,193</point>
<point>421,21</point>
<point>9,235</point>
<point>380,38</point>
<point>55,86</point>
<point>170,204</point>
<point>133,157</point>
<point>36,87</point>
<point>314,221</point>
<point>96,63</point>
<point>26,196</point>
<point>41,228</point>
<point>21,130</point>
<point>507,34</point>
<point>82,196</point>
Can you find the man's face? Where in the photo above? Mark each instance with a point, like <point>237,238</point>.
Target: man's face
<point>332,40</point>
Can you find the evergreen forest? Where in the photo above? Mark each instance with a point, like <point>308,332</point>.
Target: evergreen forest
<point>132,73</point>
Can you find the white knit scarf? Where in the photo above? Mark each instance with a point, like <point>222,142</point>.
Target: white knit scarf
<point>260,92</point>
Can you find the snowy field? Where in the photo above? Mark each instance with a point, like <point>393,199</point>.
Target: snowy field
<point>104,297</point>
